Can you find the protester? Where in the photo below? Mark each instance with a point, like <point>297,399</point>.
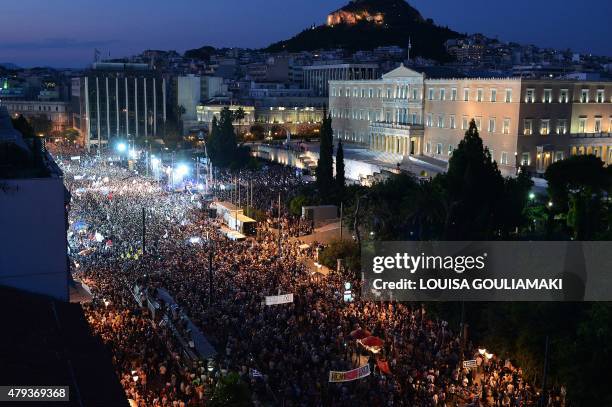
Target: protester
<point>116,248</point>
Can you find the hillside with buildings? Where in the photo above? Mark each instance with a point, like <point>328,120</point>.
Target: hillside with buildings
<point>367,24</point>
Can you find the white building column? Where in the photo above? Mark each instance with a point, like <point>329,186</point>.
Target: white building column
<point>98,113</point>
<point>127,109</point>
<point>108,137</point>
<point>136,107</point>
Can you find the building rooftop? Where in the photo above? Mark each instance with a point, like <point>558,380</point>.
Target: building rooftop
<point>48,343</point>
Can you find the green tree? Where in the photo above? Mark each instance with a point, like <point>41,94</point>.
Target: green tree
<point>296,203</point>
<point>231,391</point>
<point>511,211</point>
<point>325,172</point>
<point>340,179</point>
<point>576,188</point>
<point>172,134</point>
<point>222,145</point>
<point>239,115</point>
<point>41,125</point>
<point>426,210</point>
<point>473,184</point>
<point>347,250</point>
<point>70,135</point>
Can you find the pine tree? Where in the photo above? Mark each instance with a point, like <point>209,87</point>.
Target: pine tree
<point>474,185</point>
<point>325,169</point>
<point>340,178</point>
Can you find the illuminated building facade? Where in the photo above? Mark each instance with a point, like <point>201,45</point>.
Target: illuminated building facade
<point>119,100</point>
<point>523,122</point>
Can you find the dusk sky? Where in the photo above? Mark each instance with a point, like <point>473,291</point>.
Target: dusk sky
<point>64,33</point>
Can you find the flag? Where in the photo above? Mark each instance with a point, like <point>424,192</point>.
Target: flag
<point>255,374</point>
<point>383,366</point>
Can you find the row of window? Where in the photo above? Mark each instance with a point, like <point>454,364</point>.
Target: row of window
<point>398,92</point>
<point>563,96</point>
<point>440,94</point>
<point>440,122</point>
<point>438,149</point>
<point>400,116</point>
<point>406,92</point>
<point>545,126</point>
<point>41,108</point>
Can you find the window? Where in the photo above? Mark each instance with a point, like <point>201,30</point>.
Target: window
<point>466,94</point>
<point>454,94</point>
<point>564,96</point>
<point>561,126</point>
<point>525,159</point>
<point>370,93</point>
<point>478,123</point>
<point>439,148</point>
<point>504,158</point>
<point>584,96</point>
<point>363,93</point>
<point>491,125</point>
<point>333,92</point>
<point>429,120</point>
<point>464,123</point>
<point>530,96</point>
<point>428,147</point>
<point>544,126</point>
<point>450,149</point>
<point>414,94</point>
<point>479,95</point>
<point>558,156</point>
<point>431,94</point>
<point>440,121</point>
<point>582,124</point>
<point>388,93</point>
<point>493,95</point>
<point>506,126</point>
<point>442,94</point>
<point>508,98</point>
<point>355,92</point>
<point>547,96</point>
<point>451,122</point>
<point>528,127</point>
<point>597,127</point>
<point>379,93</point>
<point>600,96</point>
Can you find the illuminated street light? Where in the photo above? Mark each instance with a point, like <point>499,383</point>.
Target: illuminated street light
<point>121,147</point>
<point>182,170</point>
<point>531,196</point>
<point>550,204</point>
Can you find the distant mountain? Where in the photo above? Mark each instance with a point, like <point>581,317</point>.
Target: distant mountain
<point>202,53</point>
<point>367,24</point>
<point>8,65</point>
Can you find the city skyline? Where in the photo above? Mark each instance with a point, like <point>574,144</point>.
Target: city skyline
<point>64,36</point>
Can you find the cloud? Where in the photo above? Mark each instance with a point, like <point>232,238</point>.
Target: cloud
<point>56,43</point>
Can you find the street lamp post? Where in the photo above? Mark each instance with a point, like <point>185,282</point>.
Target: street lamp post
<point>210,272</point>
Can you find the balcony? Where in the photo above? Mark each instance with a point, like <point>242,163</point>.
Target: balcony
<point>591,135</point>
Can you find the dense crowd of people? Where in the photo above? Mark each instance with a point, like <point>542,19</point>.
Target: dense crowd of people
<point>130,231</point>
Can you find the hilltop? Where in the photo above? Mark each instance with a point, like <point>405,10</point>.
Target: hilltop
<point>367,24</point>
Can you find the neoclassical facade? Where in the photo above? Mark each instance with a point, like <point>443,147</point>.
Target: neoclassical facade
<point>523,122</point>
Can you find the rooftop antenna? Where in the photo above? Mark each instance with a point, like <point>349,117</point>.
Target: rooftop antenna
<point>409,48</point>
